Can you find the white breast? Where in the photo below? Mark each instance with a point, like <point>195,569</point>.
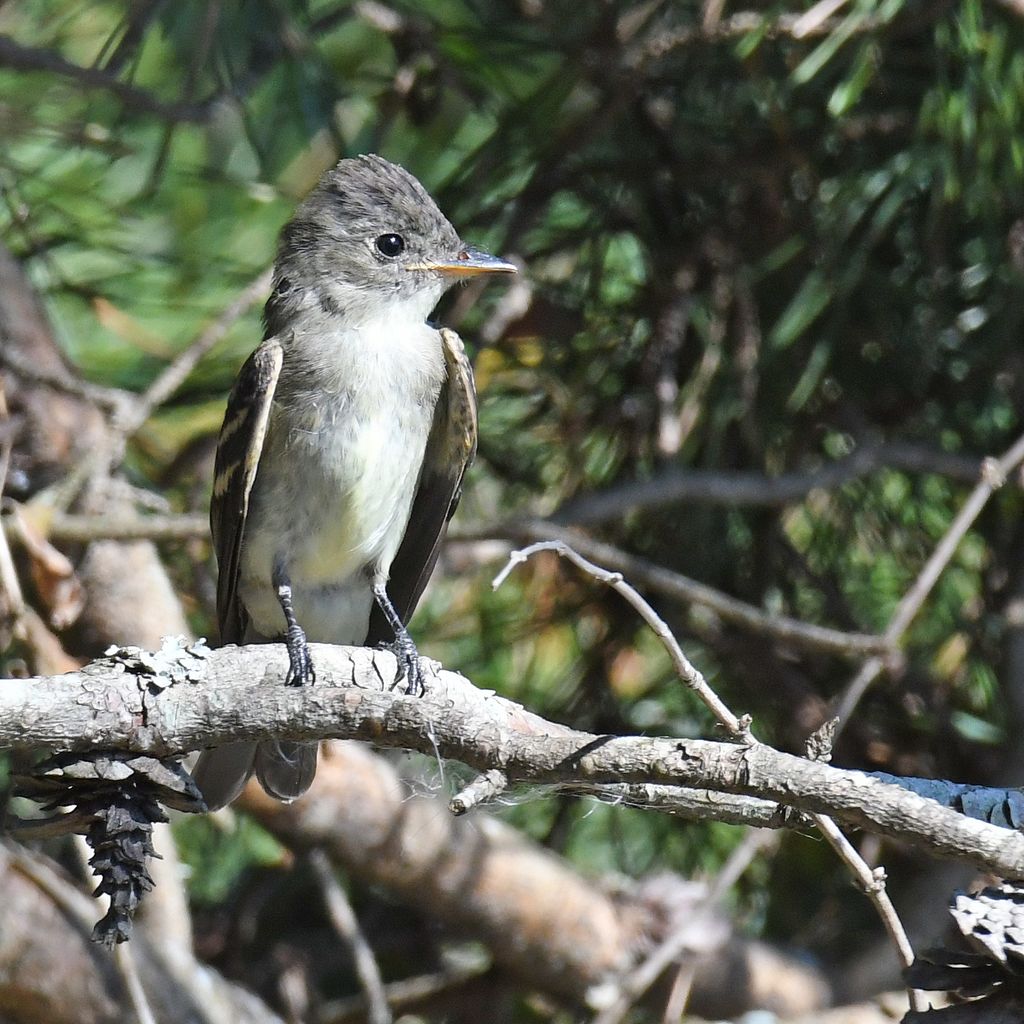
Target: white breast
<point>338,475</point>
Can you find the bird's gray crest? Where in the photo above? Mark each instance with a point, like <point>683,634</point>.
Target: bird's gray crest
<point>368,190</point>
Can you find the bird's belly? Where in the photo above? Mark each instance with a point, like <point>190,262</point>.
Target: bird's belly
<point>357,517</point>
<point>334,613</point>
<point>331,522</point>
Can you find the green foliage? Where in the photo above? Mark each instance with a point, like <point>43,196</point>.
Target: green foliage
<point>748,251</point>
<point>217,858</point>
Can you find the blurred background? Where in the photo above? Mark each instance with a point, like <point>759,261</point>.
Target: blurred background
<point>768,326</point>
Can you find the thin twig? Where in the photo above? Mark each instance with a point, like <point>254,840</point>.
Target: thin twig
<point>81,529</point>
<point>38,870</point>
<point>177,372</point>
<point>81,909</point>
<point>755,842</point>
<point>676,585</point>
<point>346,924</point>
<point>113,399</point>
<point>872,884</point>
<point>679,995</point>
<point>84,528</point>
<point>484,788</point>
<point>672,436</point>
<point>125,961</point>
<point>994,474</point>
<point>740,729</point>
<point>809,21</point>
<point>711,14</point>
<point>10,586</point>
<point>32,58</point>
<point>742,24</point>
<point>748,488</point>
<point>691,804</point>
<point>406,994</point>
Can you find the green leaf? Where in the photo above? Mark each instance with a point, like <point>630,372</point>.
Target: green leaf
<point>804,308</point>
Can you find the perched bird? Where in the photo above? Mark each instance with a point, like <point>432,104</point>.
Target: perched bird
<point>344,444</point>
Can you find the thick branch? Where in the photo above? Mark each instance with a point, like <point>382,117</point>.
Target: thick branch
<point>236,693</point>
<point>542,921</point>
<point>741,487</point>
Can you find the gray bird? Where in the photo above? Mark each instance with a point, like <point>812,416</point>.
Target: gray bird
<point>345,441</point>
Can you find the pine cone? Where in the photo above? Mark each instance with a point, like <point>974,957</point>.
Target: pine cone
<point>116,798</point>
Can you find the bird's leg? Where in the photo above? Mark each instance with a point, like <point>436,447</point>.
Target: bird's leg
<point>300,664</point>
<point>403,647</point>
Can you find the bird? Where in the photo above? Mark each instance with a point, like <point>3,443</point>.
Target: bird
<point>344,444</point>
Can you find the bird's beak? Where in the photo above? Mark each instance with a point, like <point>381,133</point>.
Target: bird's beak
<point>468,262</point>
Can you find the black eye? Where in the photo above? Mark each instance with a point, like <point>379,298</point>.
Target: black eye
<point>390,245</point>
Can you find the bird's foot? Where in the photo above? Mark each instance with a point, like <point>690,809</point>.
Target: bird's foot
<point>408,659</point>
<point>402,647</point>
<point>300,663</point>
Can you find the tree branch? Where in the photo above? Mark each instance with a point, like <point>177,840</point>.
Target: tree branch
<point>995,472</point>
<point>76,528</point>
<point>31,58</point>
<point>738,728</point>
<point>53,973</point>
<point>674,584</point>
<point>208,698</point>
<point>740,487</point>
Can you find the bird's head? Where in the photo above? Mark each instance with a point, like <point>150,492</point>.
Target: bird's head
<point>370,236</point>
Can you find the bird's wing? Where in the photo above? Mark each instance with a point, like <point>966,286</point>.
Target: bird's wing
<point>450,450</point>
<point>238,456</point>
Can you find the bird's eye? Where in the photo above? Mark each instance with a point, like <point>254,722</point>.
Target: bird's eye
<point>390,245</point>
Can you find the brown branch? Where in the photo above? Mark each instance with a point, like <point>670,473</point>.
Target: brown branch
<point>12,601</point>
<point>81,529</point>
<point>61,379</point>
<point>541,919</point>
<point>685,937</point>
<point>693,804</point>
<point>45,939</point>
<point>232,695</point>
<point>871,882</point>
<point>743,488</point>
<point>673,584</point>
<point>409,994</point>
<point>346,924</point>
<point>737,727</point>
<point>124,958</point>
<point>473,873</point>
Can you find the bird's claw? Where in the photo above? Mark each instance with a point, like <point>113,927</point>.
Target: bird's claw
<point>300,663</point>
<point>409,669</point>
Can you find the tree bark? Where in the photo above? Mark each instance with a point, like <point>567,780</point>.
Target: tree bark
<point>183,699</point>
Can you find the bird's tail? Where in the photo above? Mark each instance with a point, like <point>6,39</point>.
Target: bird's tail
<point>286,768</point>
<point>220,774</point>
